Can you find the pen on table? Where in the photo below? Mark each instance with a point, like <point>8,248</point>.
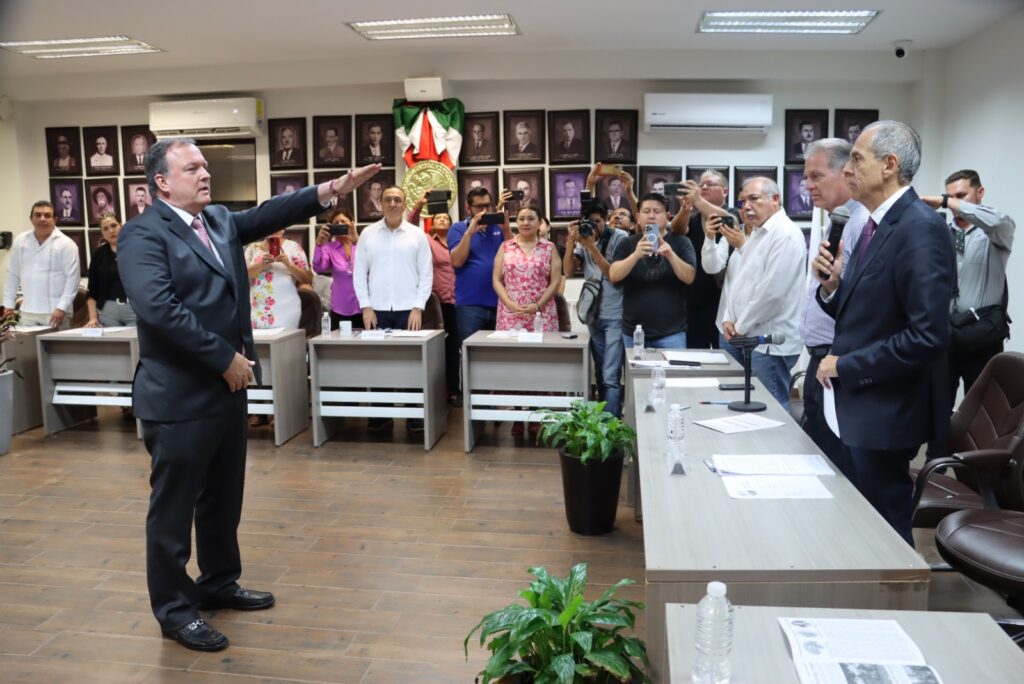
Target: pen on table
<point>710,465</point>
<point>716,403</point>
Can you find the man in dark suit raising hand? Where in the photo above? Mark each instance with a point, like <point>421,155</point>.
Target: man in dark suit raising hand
<point>888,366</point>
<point>182,265</point>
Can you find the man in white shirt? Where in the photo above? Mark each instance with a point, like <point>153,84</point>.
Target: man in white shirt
<point>394,268</point>
<point>44,264</point>
<point>767,295</point>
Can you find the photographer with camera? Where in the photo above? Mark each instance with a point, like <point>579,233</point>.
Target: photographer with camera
<point>592,243</point>
<point>655,267</point>
<point>335,256</point>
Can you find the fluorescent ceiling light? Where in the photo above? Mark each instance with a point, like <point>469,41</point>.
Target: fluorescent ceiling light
<point>437,27</point>
<point>843,22</point>
<point>79,47</point>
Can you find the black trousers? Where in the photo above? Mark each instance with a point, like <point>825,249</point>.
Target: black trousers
<point>968,366</point>
<point>814,423</point>
<point>198,473</point>
<point>701,331</point>
<point>883,478</point>
<point>396,320</point>
<point>452,347</point>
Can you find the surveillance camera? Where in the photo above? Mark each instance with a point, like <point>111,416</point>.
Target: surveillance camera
<point>902,47</point>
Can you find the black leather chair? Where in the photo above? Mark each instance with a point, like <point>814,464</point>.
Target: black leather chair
<point>433,317</point>
<point>564,317</point>
<point>312,312</point>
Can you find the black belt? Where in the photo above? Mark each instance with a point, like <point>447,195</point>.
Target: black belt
<point>820,350</point>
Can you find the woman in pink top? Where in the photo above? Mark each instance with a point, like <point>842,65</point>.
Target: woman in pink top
<point>335,255</point>
<point>527,273</point>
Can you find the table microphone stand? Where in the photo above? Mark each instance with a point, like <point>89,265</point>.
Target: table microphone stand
<point>747,406</point>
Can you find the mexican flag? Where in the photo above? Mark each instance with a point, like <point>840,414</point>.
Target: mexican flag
<point>429,130</point>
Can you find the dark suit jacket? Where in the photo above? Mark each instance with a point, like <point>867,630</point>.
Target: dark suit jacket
<point>796,150</point>
<point>530,151</point>
<point>296,157</point>
<point>892,331</point>
<point>575,148</point>
<point>193,313</point>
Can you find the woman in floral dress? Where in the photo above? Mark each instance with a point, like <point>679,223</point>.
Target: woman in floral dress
<point>274,281</point>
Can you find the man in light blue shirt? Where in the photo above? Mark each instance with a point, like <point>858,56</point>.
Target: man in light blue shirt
<point>823,171</point>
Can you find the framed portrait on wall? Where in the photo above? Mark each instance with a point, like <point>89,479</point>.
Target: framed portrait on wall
<point>375,139</point>
<point>569,137</point>
<point>469,180</point>
<point>333,142</point>
<point>102,196</point>
<point>287,143</point>
<point>480,140</point>
<point>283,183</point>
<point>850,123</point>
<point>744,173</point>
<point>346,202</point>
<point>370,193</point>
<point>135,142</point>
<point>524,136</point>
<point>531,183</point>
<point>101,151</point>
<point>63,152</point>
<point>796,198</point>
<point>78,237</point>
<point>616,135</point>
<point>653,179</point>
<point>566,185</point>
<point>66,196</point>
<point>612,192</point>
<point>803,126</point>
<point>136,197</point>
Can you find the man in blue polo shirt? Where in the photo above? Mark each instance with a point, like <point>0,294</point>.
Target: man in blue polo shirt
<point>473,247</point>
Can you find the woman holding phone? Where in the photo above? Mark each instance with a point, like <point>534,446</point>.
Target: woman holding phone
<point>335,256</point>
<point>276,268</point>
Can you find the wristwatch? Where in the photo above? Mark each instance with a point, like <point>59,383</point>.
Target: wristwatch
<point>945,201</point>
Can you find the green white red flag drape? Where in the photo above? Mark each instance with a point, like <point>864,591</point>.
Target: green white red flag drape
<point>431,130</point>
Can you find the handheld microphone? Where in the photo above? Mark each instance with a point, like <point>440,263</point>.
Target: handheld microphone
<point>757,340</point>
<point>839,216</point>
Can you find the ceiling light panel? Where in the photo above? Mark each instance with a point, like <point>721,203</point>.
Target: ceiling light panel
<point>79,47</point>
<point>838,22</point>
<point>437,27</point>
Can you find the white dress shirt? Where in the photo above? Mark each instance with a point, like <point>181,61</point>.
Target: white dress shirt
<point>714,256</point>
<point>188,218</point>
<point>47,273</point>
<point>768,293</point>
<point>394,269</point>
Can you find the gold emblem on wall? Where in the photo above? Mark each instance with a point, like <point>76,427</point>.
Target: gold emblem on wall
<point>427,175</point>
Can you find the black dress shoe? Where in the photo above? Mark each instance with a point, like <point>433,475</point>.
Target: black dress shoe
<point>199,635</point>
<point>242,599</point>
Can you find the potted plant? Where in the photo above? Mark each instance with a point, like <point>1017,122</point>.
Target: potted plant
<point>592,446</point>
<point>559,638</point>
<point>8,320</point>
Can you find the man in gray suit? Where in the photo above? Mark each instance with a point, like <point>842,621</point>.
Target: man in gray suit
<point>183,269</point>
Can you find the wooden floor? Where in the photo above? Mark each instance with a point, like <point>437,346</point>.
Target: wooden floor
<point>382,557</point>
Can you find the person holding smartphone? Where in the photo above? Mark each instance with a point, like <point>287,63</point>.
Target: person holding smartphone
<point>335,256</point>
<point>655,267</point>
<point>276,268</point>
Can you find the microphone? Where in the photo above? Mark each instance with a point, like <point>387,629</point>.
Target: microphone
<point>838,217</point>
<point>757,340</point>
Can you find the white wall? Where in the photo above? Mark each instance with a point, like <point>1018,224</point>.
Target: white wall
<point>984,84</point>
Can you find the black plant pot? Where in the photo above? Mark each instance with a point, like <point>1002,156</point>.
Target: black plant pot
<point>591,493</point>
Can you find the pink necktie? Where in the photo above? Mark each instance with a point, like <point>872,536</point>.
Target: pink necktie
<point>865,239</point>
<point>204,237</point>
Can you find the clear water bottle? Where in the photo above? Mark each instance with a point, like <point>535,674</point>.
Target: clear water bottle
<point>711,661</point>
<point>657,386</point>
<point>538,322</point>
<point>638,342</point>
<point>675,440</point>
<point>325,324</point>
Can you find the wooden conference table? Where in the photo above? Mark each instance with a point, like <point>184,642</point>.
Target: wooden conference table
<point>963,648</point>
<point>389,377</point>
<point>836,553</point>
<point>551,373</point>
<point>28,407</point>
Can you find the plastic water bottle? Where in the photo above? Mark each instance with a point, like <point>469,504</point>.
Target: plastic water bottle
<point>538,322</point>
<point>325,324</point>
<point>657,385</point>
<point>711,663</point>
<point>675,440</point>
<point>638,342</point>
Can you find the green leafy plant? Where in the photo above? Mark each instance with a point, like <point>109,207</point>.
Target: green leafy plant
<point>559,638</point>
<point>587,431</point>
<point>8,321</point>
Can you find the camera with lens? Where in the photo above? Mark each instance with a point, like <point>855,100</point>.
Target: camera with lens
<point>587,225</point>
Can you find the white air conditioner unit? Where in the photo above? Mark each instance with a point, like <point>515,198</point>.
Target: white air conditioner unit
<point>230,117</point>
<point>707,112</point>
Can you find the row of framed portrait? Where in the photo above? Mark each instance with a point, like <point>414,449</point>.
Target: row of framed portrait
<point>98,150</point>
<point>79,203</point>
<point>804,126</point>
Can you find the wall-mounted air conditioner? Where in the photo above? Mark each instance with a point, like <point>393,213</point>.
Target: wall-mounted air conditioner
<point>230,117</point>
<point>707,112</point>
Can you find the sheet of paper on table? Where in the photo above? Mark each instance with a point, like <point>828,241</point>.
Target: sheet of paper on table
<point>30,328</point>
<point>530,337</point>
<point>771,464</point>
<point>639,363</point>
<point>499,334</point>
<point>372,335</point>
<point>691,382</point>
<point>266,332</point>
<point>838,651</point>
<point>775,487</point>
<point>708,357</point>
<point>739,423</point>
<point>411,333</point>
